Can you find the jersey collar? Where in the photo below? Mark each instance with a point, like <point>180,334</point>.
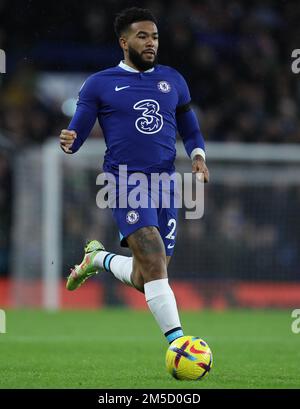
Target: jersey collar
<point>130,69</point>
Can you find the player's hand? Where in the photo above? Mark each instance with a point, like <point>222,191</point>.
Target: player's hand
<point>199,166</point>
<point>67,138</point>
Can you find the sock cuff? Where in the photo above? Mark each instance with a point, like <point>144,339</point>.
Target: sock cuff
<point>174,334</point>
<point>156,288</point>
<point>107,261</point>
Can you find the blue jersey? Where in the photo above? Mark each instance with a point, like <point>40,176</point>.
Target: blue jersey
<point>137,114</point>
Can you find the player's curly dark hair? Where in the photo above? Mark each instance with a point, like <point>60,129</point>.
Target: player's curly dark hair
<point>129,16</point>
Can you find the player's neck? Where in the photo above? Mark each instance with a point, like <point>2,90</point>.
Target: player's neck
<point>131,65</point>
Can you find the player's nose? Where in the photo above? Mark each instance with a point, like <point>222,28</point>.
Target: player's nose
<point>150,43</point>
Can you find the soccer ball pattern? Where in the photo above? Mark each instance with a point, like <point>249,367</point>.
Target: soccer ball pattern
<point>189,358</point>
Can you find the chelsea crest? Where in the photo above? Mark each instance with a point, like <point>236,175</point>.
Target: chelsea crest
<point>164,86</point>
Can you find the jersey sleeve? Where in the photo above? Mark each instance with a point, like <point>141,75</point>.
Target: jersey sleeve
<point>86,112</point>
<point>184,96</point>
<point>187,122</point>
<point>189,130</point>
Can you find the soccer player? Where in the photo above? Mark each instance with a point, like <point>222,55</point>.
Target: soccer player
<point>140,105</point>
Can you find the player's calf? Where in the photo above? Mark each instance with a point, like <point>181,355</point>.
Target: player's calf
<point>148,250</point>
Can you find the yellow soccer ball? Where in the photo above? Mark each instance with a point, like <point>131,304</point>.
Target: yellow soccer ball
<point>189,358</point>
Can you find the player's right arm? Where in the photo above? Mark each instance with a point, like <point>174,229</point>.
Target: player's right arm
<point>84,118</point>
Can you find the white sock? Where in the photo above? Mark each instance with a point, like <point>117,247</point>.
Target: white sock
<point>161,302</point>
<point>120,266</point>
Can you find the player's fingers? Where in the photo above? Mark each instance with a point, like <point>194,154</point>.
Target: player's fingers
<point>202,175</point>
<point>198,168</point>
<point>66,134</point>
<point>67,142</point>
<point>206,175</point>
<point>67,138</point>
<point>66,148</point>
<point>195,167</point>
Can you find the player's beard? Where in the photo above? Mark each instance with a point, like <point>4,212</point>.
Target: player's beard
<point>138,60</point>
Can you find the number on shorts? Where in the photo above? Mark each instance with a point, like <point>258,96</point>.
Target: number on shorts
<point>170,236</point>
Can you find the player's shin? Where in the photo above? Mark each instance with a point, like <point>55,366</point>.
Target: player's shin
<point>161,302</point>
<point>119,266</point>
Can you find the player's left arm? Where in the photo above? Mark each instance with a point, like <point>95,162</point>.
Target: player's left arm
<point>189,130</point>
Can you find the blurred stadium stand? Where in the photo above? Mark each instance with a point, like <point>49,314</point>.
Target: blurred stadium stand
<point>236,57</point>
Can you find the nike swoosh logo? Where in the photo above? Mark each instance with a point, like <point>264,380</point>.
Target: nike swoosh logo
<point>196,351</point>
<point>170,246</point>
<point>120,88</point>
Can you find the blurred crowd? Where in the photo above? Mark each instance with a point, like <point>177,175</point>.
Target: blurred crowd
<point>248,232</point>
<point>235,55</point>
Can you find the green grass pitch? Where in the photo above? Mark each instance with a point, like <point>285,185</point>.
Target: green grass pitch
<point>119,348</point>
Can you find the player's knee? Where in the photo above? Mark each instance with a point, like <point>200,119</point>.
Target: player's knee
<point>137,277</point>
<point>153,267</point>
<point>149,253</point>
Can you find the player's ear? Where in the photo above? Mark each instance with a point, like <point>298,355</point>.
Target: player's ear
<point>123,43</point>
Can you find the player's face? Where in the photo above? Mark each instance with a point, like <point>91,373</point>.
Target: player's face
<point>141,44</point>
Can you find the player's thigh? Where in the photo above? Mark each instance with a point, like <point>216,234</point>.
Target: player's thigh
<point>129,220</point>
<point>148,250</point>
<point>146,243</point>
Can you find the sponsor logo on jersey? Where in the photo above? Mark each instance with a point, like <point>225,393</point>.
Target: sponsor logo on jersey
<point>151,120</point>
